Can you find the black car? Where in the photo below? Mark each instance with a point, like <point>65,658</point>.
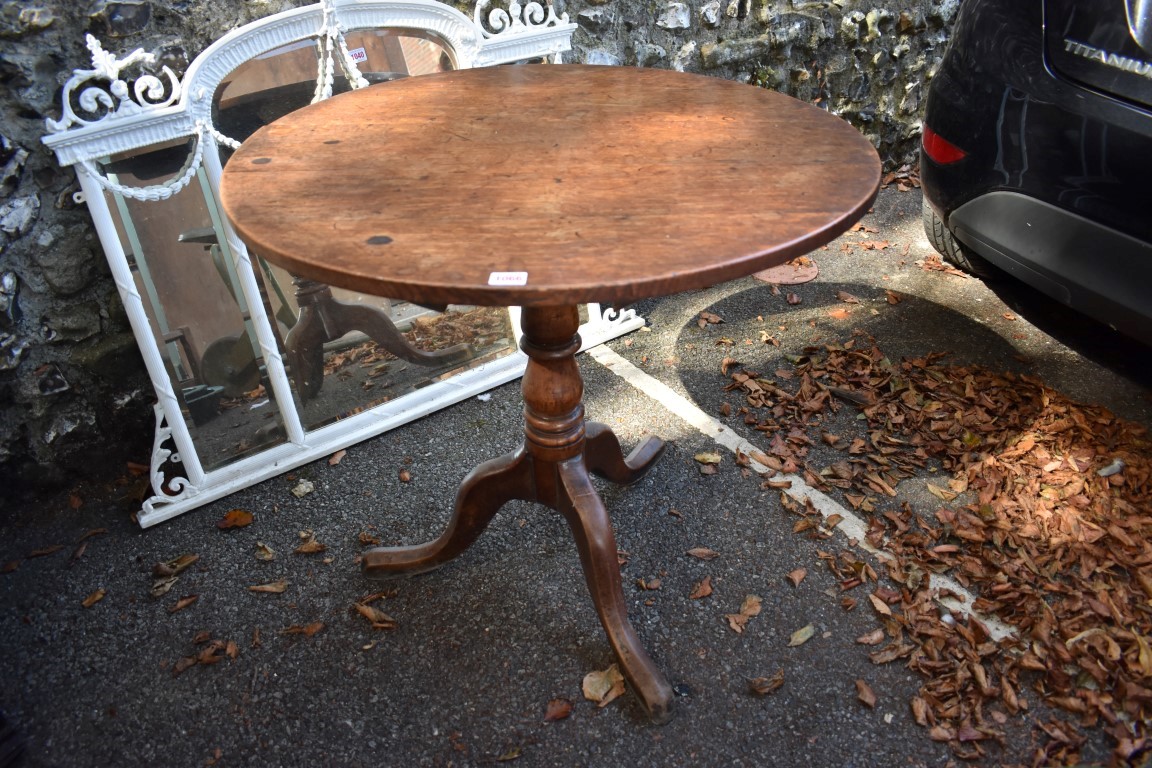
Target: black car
<point>1037,151</point>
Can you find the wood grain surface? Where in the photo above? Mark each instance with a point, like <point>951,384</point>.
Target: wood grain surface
<point>602,184</point>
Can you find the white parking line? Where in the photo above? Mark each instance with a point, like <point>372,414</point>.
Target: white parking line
<point>851,525</point>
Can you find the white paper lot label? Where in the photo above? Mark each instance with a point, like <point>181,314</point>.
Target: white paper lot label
<point>508,278</point>
<point>359,55</point>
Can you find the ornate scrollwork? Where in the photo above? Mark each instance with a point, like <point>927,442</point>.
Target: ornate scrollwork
<point>167,490</point>
<point>114,98</point>
<point>518,19</point>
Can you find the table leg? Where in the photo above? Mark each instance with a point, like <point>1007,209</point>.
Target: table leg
<point>552,468</point>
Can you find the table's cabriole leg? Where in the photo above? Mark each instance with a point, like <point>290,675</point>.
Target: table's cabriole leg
<point>481,495</point>
<point>596,543</point>
<point>555,436</point>
<point>604,456</point>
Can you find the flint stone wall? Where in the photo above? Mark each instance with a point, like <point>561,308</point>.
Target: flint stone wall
<point>74,396</point>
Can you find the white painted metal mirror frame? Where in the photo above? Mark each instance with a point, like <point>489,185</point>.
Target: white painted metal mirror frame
<point>153,110</point>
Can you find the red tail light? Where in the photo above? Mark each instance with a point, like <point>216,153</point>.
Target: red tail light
<point>940,149</point>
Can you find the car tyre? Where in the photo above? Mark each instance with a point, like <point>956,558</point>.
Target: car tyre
<point>952,249</point>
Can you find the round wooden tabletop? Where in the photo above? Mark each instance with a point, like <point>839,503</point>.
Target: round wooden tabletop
<point>546,184</point>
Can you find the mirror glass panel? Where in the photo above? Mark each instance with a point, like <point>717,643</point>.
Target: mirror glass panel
<point>346,351</point>
<point>196,309</point>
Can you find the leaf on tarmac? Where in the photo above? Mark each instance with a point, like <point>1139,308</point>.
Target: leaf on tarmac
<point>308,544</point>
<point>880,606</point>
<point>801,636</point>
<point>94,598</point>
<point>762,686</point>
<point>376,617</point>
<point>235,518</point>
<point>183,603</point>
<point>275,587</point>
<point>175,566</point>
<point>161,587</point>
<point>797,576</point>
<point>703,553</point>
<point>702,589</point>
<point>308,630</point>
<point>865,694</point>
<point>604,686</point>
<point>749,608</point>
<point>558,709</point>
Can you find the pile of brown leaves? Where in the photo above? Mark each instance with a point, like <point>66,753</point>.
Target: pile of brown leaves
<point>1046,515</point>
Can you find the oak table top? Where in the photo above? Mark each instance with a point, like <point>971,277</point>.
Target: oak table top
<point>547,187</point>
<point>602,184</point>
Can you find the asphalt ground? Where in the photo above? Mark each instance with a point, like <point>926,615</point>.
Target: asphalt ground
<point>483,645</point>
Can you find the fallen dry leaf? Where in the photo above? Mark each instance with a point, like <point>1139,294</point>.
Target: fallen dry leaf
<point>702,589</point>
<point>943,494</point>
<point>707,318</point>
<point>797,576</point>
<point>161,587</point>
<point>847,298</point>
<point>375,616</point>
<point>93,598</point>
<point>875,637</point>
<point>175,566</point>
<point>183,603</point>
<point>235,518</point>
<point>337,457</point>
<point>513,753</point>
<point>762,686</point>
<point>308,544</point>
<point>880,606</point>
<point>603,687</point>
<point>558,709</point>
<point>307,630</point>
<point>749,608</point>
<point>405,476</point>
<point>865,694</point>
<point>793,298</point>
<point>703,553</point>
<point>708,457</point>
<point>275,587</point>
<point>801,636</point>
<point>45,551</point>
<point>264,552</point>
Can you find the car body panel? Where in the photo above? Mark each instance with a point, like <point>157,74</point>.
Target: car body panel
<point>1058,142</point>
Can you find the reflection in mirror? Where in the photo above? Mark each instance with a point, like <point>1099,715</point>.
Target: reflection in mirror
<point>281,81</point>
<point>346,352</point>
<point>387,352</point>
<point>196,309</point>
